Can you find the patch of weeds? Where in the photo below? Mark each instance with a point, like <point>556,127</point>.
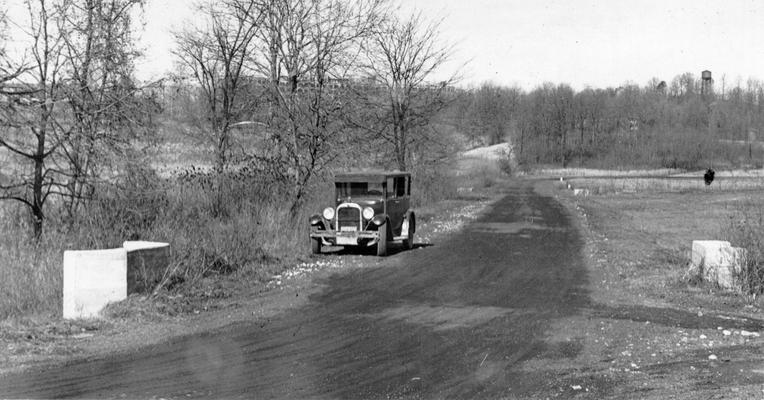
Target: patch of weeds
<point>746,230</point>
<point>669,257</point>
<point>219,266</point>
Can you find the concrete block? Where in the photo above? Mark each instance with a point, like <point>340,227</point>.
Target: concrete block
<point>146,264</point>
<point>93,279</point>
<point>708,251</point>
<point>718,262</point>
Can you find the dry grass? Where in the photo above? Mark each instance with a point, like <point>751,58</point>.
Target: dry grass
<point>478,172</point>
<point>592,172</point>
<point>30,274</point>
<point>721,184</point>
<point>238,227</point>
<point>746,229</point>
<point>30,279</point>
<point>643,241</point>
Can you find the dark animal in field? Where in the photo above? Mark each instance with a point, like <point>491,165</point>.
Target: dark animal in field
<point>708,177</point>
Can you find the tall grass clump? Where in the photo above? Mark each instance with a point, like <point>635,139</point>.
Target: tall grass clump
<point>431,184</point>
<point>215,224</point>
<point>481,173</point>
<point>746,230</point>
<point>30,273</point>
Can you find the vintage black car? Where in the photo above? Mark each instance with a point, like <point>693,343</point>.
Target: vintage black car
<point>371,209</point>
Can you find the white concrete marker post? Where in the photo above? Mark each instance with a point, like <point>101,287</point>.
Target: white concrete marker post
<point>718,262</point>
<point>93,279</point>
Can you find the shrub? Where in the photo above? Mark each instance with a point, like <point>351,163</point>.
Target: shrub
<point>505,165</point>
<point>432,183</point>
<point>744,230</point>
<point>30,274</point>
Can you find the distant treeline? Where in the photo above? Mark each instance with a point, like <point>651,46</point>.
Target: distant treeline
<point>682,124</point>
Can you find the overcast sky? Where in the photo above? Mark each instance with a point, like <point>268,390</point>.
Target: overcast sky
<point>581,42</point>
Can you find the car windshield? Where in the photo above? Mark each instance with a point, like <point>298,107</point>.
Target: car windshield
<point>355,189</point>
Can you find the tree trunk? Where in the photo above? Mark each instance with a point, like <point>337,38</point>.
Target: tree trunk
<point>37,181</point>
<point>400,146</point>
<point>37,199</point>
<point>220,156</point>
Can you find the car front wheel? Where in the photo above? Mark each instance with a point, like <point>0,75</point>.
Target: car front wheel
<point>382,243</point>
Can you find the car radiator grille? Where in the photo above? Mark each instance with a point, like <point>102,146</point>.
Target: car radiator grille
<point>348,217</point>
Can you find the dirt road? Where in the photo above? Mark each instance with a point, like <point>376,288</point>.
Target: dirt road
<point>480,315</point>
<point>454,319</point>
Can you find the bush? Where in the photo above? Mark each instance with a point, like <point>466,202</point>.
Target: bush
<point>30,276</point>
<point>746,230</point>
<point>505,165</point>
<point>431,184</point>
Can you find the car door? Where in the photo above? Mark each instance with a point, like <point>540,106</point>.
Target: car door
<point>397,202</point>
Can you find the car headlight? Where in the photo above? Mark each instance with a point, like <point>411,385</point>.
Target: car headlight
<point>329,213</point>
<point>368,213</point>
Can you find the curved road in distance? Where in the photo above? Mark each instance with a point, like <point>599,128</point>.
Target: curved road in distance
<point>457,319</point>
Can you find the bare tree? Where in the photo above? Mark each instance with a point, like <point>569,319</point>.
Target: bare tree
<point>402,56</point>
<point>215,55</point>
<point>32,134</point>
<point>308,52</point>
<point>45,116</point>
<point>101,93</point>
<point>492,112</point>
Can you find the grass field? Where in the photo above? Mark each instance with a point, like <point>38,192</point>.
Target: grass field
<point>642,235</point>
<point>667,184</point>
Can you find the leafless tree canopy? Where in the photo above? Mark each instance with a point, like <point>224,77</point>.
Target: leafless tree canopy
<point>677,123</point>
<point>215,56</point>
<point>401,56</point>
<point>295,57</point>
<point>69,100</point>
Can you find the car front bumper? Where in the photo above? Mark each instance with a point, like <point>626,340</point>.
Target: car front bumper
<point>345,238</point>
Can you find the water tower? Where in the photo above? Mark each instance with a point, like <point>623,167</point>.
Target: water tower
<point>707,82</point>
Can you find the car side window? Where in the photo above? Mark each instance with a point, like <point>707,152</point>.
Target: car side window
<point>400,187</point>
<point>390,188</point>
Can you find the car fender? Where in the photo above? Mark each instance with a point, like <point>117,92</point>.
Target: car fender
<point>318,220</point>
<point>411,218</point>
<point>380,219</point>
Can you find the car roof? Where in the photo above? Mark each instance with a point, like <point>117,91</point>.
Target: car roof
<point>368,176</point>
